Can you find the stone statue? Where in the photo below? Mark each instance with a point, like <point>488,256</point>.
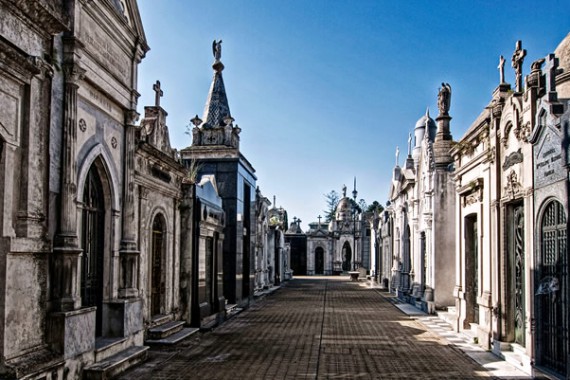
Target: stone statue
<point>501,68</point>
<point>217,49</point>
<point>517,62</point>
<point>444,99</point>
<point>343,191</point>
<point>410,143</point>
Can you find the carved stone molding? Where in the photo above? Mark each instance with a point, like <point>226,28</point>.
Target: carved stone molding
<point>513,187</point>
<point>82,125</point>
<point>512,159</point>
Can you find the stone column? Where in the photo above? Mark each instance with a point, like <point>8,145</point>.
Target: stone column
<point>67,253</point>
<point>129,253</point>
<point>186,249</point>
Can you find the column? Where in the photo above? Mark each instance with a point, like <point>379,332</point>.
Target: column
<point>67,253</point>
<point>128,252</point>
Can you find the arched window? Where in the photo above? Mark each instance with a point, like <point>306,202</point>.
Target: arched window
<point>93,245</point>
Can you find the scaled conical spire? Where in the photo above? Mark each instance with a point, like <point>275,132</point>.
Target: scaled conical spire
<point>217,107</point>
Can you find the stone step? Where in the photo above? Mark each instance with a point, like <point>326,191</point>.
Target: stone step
<point>107,347</point>
<point>518,357</point>
<point>164,330</point>
<point>160,319</point>
<point>116,364</point>
<point>173,338</point>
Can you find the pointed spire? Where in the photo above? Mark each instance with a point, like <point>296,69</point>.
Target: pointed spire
<point>354,192</point>
<point>217,107</point>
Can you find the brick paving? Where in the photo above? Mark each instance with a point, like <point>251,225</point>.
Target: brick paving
<point>314,328</point>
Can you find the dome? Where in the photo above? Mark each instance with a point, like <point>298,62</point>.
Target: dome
<point>419,131</point>
<point>563,53</point>
<point>344,209</point>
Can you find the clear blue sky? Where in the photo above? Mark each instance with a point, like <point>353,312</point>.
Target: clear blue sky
<point>324,90</point>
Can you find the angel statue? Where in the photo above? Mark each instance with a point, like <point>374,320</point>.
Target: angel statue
<point>444,99</point>
<point>217,49</point>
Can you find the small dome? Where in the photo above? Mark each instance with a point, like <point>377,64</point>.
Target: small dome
<point>421,123</point>
<point>419,131</point>
<point>344,209</point>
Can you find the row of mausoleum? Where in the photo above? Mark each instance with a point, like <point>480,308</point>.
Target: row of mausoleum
<point>110,239</point>
<point>477,229</point>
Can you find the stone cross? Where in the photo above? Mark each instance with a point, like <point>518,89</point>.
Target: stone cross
<point>319,218</point>
<point>158,93</point>
<point>397,155</point>
<point>501,68</point>
<point>517,62</point>
<point>550,69</point>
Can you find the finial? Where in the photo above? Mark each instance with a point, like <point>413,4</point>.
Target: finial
<point>354,192</point>
<point>228,120</point>
<point>196,121</point>
<point>158,93</point>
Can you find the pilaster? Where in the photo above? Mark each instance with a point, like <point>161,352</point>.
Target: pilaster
<point>66,260</point>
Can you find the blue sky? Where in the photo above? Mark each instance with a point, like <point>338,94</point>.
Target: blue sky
<point>324,90</point>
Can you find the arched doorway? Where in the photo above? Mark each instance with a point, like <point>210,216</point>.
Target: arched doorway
<point>551,294</point>
<point>346,257</point>
<point>93,245</point>
<point>319,260</point>
<point>157,255</point>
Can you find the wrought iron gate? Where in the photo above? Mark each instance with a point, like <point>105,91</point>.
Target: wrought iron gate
<point>551,293</point>
<point>518,271</point>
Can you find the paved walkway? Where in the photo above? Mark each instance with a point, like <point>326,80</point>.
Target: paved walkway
<point>317,328</point>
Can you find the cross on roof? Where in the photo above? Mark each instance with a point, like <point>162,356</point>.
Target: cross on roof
<point>319,218</point>
<point>158,93</point>
<point>550,68</point>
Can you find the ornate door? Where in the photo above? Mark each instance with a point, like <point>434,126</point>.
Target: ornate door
<point>93,246</point>
<point>551,294</point>
<point>517,272</point>
<point>157,246</point>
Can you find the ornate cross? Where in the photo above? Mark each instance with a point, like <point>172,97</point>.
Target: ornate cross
<point>158,93</point>
<point>517,62</point>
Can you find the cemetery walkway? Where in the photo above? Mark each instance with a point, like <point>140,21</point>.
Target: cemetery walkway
<point>315,328</point>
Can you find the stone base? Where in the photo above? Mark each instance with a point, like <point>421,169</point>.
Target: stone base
<point>72,333</point>
<point>123,317</point>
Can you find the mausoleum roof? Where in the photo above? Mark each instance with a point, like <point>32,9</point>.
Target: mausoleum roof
<point>217,107</point>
